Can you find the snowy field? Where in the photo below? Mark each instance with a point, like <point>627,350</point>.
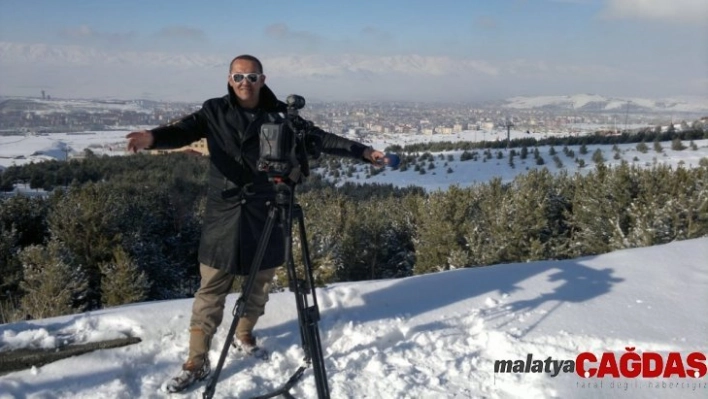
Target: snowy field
<point>432,336</point>
<point>466,173</point>
<point>19,150</point>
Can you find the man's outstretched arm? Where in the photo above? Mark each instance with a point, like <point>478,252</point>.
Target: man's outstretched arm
<point>340,146</point>
<point>175,135</point>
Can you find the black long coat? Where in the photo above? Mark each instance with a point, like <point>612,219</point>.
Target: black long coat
<point>232,227</point>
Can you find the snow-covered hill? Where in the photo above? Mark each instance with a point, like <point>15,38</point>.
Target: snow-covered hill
<point>598,103</point>
<point>21,150</point>
<point>448,168</point>
<point>430,336</point>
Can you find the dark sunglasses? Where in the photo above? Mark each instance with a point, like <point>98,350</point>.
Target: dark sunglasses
<point>251,77</point>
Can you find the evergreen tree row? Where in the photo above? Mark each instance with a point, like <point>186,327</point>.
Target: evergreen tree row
<point>698,132</point>
<point>122,231</point>
<point>132,234</point>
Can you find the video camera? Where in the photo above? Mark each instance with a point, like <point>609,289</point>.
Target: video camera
<point>285,147</point>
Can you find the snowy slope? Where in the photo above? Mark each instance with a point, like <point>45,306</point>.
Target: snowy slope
<point>468,173</point>
<point>431,336</point>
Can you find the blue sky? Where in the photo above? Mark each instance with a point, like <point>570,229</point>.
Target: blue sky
<point>359,49</point>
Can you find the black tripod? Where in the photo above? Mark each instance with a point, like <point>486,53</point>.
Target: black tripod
<point>285,210</point>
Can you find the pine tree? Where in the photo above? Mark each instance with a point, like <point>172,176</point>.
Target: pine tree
<point>10,275</point>
<point>87,220</point>
<point>22,223</point>
<point>443,219</point>
<point>377,241</point>
<point>10,266</point>
<point>601,204</point>
<point>122,281</point>
<point>558,162</point>
<point>642,147</point>
<point>53,284</point>
<point>668,206</point>
<point>677,145</point>
<point>528,222</point>
<point>325,213</point>
<point>657,145</point>
<point>597,156</point>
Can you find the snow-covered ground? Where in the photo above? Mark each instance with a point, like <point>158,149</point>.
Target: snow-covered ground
<point>430,336</point>
<point>466,173</point>
<point>19,150</point>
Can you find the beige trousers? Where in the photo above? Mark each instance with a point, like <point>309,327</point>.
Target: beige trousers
<point>208,307</point>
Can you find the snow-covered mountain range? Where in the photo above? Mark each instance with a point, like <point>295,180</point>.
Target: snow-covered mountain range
<point>561,104</point>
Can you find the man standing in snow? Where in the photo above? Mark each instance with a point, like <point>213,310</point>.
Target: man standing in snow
<point>236,208</point>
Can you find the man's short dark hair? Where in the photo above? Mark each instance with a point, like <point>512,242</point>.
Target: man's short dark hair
<point>247,57</point>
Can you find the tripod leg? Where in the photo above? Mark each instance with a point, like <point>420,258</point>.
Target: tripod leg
<point>311,315</point>
<point>308,316</point>
<point>297,287</point>
<point>240,308</point>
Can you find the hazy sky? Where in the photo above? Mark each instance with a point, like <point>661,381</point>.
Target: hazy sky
<point>416,50</point>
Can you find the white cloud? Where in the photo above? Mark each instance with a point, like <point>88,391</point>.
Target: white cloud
<point>86,34</point>
<point>79,31</point>
<point>685,11</point>
<point>182,33</point>
<point>281,31</point>
<point>376,34</point>
<point>77,55</point>
<point>486,22</point>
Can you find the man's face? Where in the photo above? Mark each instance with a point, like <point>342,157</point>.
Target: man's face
<point>245,90</point>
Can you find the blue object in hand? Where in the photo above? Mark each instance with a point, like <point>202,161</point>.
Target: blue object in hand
<point>390,160</point>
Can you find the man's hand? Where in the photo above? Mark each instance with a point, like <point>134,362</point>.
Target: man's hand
<point>139,140</point>
<point>374,156</point>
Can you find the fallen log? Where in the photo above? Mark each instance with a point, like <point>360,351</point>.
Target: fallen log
<point>21,359</point>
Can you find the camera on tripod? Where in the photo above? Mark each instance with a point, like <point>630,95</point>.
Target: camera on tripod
<point>285,147</point>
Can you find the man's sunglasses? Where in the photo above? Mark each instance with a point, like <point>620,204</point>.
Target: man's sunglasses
<point>251,77</point>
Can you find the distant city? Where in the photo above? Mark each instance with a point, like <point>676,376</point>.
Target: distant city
<point>572,114</point>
